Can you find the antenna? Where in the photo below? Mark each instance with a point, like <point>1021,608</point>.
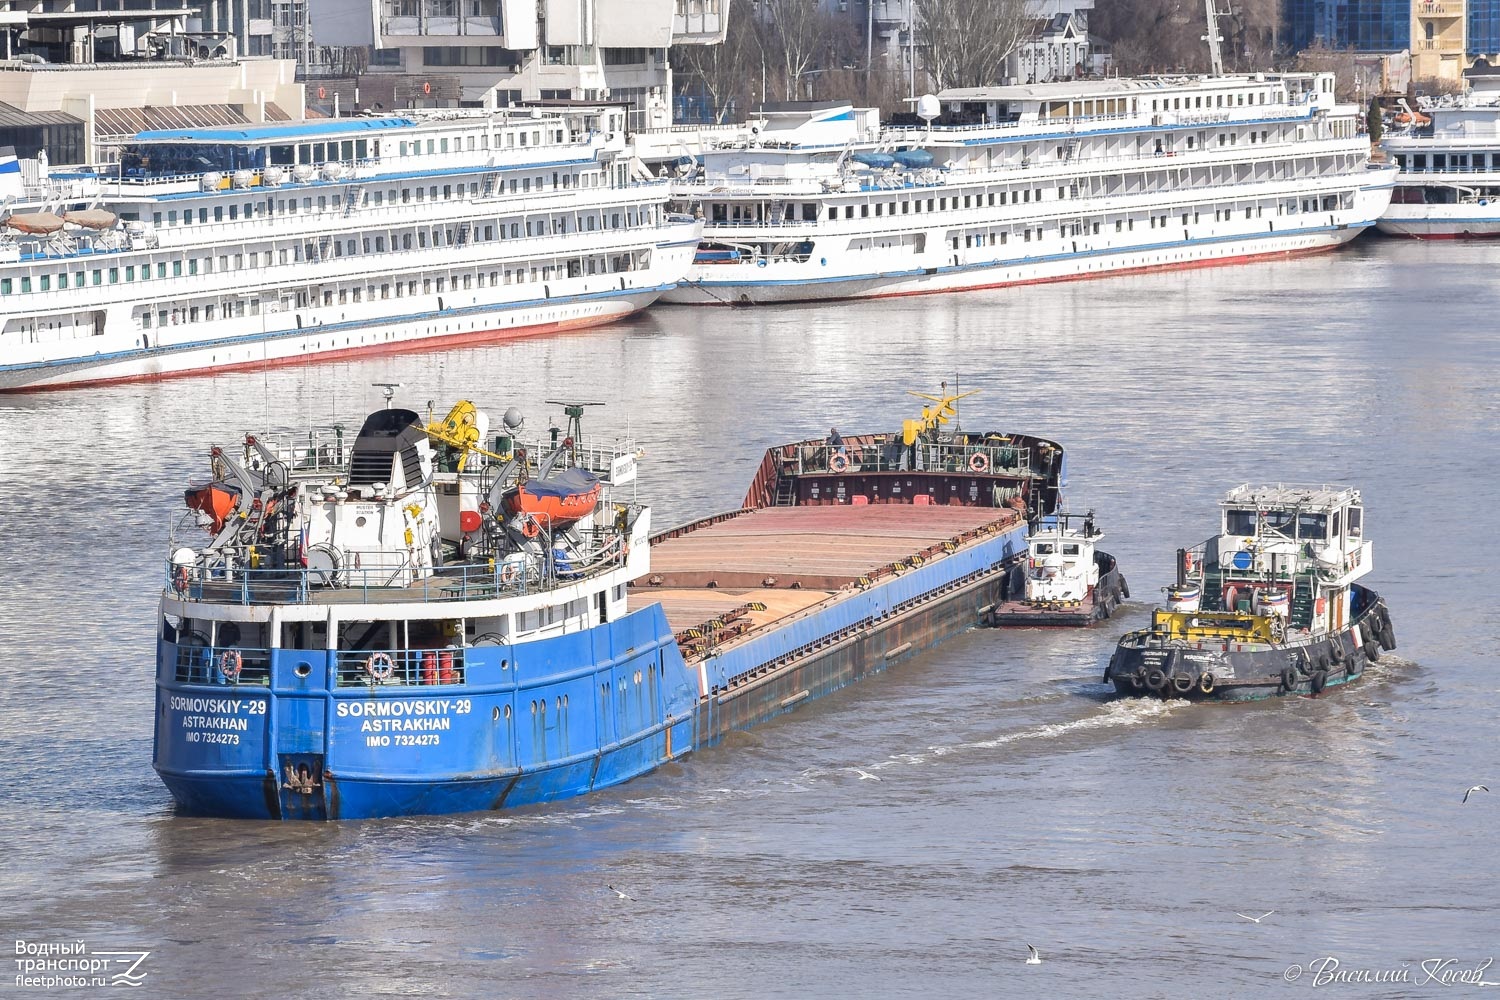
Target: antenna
<point>1213,38</point>
<point>390,390</point>
<point>574,413</point>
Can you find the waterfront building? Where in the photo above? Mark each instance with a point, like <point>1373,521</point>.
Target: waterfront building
<point>1443,36</point>
<point>475,53</point>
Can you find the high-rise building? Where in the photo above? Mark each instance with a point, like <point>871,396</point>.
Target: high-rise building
<point>1443,36</point>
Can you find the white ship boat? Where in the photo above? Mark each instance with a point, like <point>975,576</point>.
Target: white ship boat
<point>232,248</point>
<point>1449,184</point>
<point>1007,185</point>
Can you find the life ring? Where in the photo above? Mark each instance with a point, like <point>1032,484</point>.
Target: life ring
<point>426,88</point>
<point>380,666</point>
<point>180,579</point>
<point>838,462</point>
<point>230,662</point>
<point>1182,682</point>
<point>1318,681</point>
<point>1289,679</point>
<point>1156,678</point>
<point>1206,683</point>
<point>509,573</point>
<point>979,462</point>
<point>322,93</point>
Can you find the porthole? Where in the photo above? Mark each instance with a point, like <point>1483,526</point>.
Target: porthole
<point>504,664</point>
<point>638,678</point>
<point>495,714</point>
<point>533,708</point>
<point>303,669</point>
<point>507,711</point>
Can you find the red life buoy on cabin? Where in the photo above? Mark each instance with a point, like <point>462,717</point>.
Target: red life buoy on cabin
<point>979,462</point>
<point>230,664</point>
<point>838,462</point>
<point>322,93</point>
<point>426,88</point>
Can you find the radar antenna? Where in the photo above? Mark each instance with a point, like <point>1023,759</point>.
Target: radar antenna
<point>574,413</point>
<point>390,390</point>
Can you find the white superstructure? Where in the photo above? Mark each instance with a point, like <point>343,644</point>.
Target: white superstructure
<point>1449,184</point>
<point>1005,185</point>
<point>238,247</point>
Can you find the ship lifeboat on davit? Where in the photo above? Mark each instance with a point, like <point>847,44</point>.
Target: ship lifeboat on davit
<point>556,501</point>
<point>215,500</point>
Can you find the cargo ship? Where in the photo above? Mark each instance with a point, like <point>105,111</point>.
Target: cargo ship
<point>1269,606</point>
<point>433,619</point>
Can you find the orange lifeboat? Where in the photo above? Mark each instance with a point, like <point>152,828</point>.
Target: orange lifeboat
<point>556,501</point>
<point>215,500</point>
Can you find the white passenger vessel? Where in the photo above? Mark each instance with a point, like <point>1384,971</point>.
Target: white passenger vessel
<point>1006,185</point>
<point>1449,184</point>
<point>237,247</point>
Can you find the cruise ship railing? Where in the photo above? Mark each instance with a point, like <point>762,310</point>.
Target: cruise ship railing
<point>400,667</point>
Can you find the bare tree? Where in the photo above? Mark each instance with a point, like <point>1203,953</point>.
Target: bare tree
<point>795,31</point>
<point>1165,36</point>
<point>726,69</point>
<point>966,43</point>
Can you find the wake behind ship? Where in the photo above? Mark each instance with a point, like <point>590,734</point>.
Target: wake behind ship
<point>245,246</point>
<point>428,620</point>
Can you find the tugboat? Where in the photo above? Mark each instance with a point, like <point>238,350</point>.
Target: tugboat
<point>1065,579</point>
<point>1267,607</point>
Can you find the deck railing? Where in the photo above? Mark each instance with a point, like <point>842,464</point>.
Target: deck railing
<point>400,667</point>
<point>872,455</point>
<point>222,665</point>
<point>357,582</point>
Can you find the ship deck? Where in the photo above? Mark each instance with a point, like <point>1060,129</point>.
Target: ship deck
<point>758,567</point>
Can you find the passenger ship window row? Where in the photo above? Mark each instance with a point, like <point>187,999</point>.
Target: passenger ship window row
<point>377,198</point>
<point>1196,176</point>
<point>405,287</point>
<point>1440,162</point>
<point>392,241</point>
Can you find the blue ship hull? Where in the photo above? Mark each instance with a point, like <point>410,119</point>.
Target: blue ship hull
<point>533,722</point>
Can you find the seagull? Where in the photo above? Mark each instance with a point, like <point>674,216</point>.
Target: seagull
<point>1475,788</point>
<point>1254,920</point>
<point>617,892</point>
<point>864,774</point>
<point>1035,958</point>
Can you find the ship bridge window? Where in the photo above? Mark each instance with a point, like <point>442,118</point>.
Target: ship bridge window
<point>1280,522</point>
<point>1312,527</point>
<point>1070,549</point>
<point>1355,521</point>
<point>1044,548</point>
<point>1239,522</point>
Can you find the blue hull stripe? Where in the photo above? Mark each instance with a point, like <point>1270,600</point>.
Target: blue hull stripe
<point>329,328</point>
<point>1022,261</point>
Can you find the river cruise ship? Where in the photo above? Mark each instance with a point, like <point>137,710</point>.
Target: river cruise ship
<point>1449,184</point>
<point>1007,185</point>
<point>237,247</point>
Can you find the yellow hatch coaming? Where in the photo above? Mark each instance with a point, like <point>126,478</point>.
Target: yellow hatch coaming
<point>1214,625</point>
